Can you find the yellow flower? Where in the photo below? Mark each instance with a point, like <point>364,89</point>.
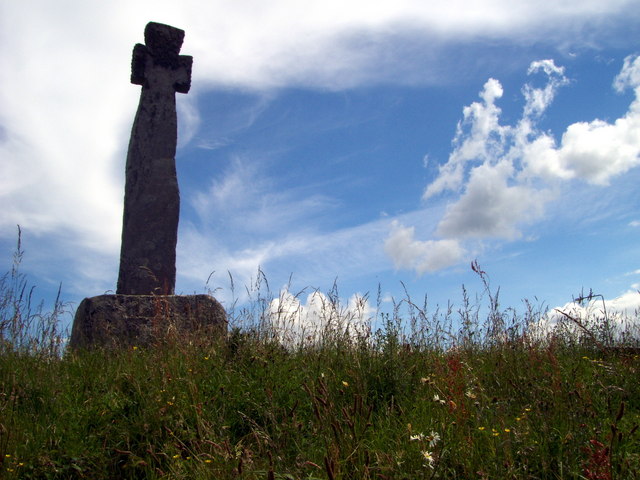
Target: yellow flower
<point>507,430</point>
<point>346,384</point>
<point>176,456</point>
<point>135,348</point>
<point>481,428</point>
<point>208,460</point>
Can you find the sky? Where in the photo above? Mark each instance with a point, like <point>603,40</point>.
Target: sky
<point>381,146</point>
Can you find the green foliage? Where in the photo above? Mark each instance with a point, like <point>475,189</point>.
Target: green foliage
<point>486,402</point>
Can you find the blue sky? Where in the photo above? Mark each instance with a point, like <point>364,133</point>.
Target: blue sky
<point>386,143</point>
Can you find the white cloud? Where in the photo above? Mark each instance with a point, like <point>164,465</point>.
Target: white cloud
<point>629,76</point>
<point>507,174</point>
<point>247,199</point>
<point>491,207</point>
<point>598,318</point>
<point>320,318</point>
<point>538,99</point>
<point>67,105</point>
<point>594,151</point>
<point>483,140</point>
<point>336,44</point>
<point>422,256</point>
<point>314,257</point>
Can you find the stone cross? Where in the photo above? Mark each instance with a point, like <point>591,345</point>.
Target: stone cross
<point>152,198</point>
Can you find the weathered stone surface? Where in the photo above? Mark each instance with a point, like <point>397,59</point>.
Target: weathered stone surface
<point>144,310</point>
<point>152,197</point>
<point>116,321</point>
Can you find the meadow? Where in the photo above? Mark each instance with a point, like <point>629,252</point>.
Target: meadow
<point>468,392</point>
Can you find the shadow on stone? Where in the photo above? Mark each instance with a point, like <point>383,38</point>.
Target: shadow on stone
<point>117,321</point>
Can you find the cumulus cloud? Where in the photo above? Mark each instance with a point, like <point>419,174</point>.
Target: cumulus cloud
<point>501,177</point>
<point>492,206</point>
<point>594,151</point>
<point>320,318</point>
<point>594,317</point>
<point>422,256</point>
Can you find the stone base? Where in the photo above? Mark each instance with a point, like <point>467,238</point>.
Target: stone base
<point>115,321</point>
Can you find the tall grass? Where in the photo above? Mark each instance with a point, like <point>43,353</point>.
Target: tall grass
<point>24,325</point>
<point>469,392</point>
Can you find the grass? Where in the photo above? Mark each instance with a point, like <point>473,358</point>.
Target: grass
<point>414,398</point>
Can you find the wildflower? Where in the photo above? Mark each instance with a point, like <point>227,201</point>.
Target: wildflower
<point>507,430</point>
<point>206,358</point>
<point>437,399</point>
<point>208,460</point>
<point>176,456</point>
<point>471,395</point>
<point>418,437</point>
<point>481,428</point>
<point>346,384</point>
<point>135,347</point>
<point>518,419</point>
<point>427,380</point>
<point>433,438</point>
<point>428,457</point>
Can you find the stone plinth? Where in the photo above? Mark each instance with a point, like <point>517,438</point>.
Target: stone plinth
<point>115,321</point>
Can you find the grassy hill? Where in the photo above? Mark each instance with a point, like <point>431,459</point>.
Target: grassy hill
<point>406,400</point>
